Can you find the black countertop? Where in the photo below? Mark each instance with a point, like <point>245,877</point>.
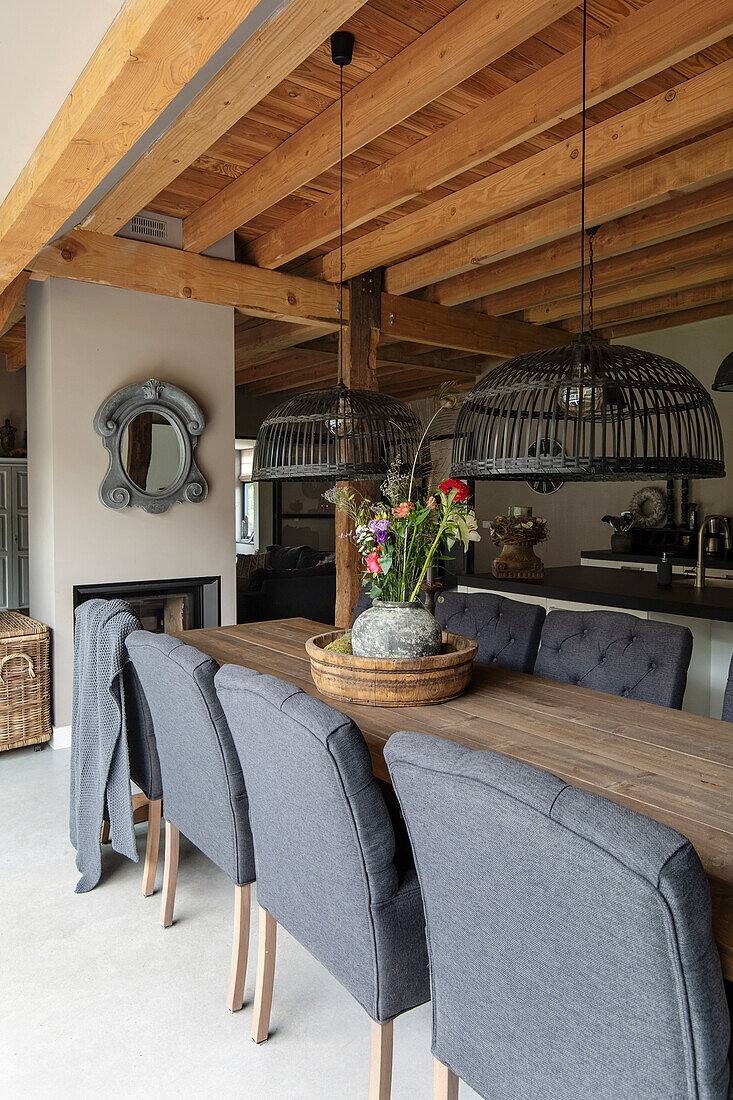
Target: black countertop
<point>725,561</point>
<point>621,588</point>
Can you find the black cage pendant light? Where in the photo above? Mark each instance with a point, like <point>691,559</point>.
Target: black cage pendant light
<point>336,434</point>
<point>588,411</point>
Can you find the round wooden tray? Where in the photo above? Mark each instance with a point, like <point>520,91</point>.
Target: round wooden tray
<point>392,682</point>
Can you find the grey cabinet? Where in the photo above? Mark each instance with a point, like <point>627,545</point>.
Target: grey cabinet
<point>14,591</point>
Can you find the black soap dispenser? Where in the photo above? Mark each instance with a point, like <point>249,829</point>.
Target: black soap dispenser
<point>664,572</point>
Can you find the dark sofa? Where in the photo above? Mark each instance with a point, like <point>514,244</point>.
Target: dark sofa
<point>284,582</point>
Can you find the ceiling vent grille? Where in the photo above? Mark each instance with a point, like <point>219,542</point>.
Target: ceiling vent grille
<point>148,228</point>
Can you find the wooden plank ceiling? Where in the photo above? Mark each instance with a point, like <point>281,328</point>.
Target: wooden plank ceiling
<point>462,177</point>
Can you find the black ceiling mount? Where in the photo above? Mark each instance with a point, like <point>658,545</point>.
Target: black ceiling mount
<point>342,47</point>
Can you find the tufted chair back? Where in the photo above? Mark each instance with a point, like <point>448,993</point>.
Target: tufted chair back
<point>618,653</point>
<point>570,941</point>
<point>205,797</point>
<point>727,714</point>
<point>507,631</point>
<point>324,842</point>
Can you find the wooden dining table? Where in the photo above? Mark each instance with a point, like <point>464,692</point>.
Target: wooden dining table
<point>673,766</point>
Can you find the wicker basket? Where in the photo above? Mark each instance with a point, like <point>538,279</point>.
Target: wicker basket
<point>25,702</point>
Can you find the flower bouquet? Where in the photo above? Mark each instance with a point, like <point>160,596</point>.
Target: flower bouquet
<point>399,537</point>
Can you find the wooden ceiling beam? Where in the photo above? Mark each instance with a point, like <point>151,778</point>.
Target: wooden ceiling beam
<point>13,347</point>
<point>675,301</point>
<point>427,323</point>
<point>701,103</point>
<point>674,213</point>
<point>684,277</point>
<point>134,265</point>
<point>298,359</point>
<point>10,299</point>
<point>288,37</point>
<point>151,50</point>
<point>389,354</point>
<point>456,47</point>
<point>671,320</point>
<point>644,43</point>
<point>643,261</point>
<point>260,343</point>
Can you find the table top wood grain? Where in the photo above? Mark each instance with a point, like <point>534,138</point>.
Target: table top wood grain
<point>673,766</point>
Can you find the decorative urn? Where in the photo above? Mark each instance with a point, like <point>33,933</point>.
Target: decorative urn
<point>391,629</point>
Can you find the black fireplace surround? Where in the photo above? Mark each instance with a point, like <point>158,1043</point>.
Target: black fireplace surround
<point>164,605</point>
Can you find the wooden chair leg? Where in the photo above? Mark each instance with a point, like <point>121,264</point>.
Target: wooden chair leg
<point>240,947</point>
<point>170,874</point>
<point>151,849</point>
<point>380,1061</point>
<point>445,1085</point>
<point>105,833</point>
<point>265,976</point>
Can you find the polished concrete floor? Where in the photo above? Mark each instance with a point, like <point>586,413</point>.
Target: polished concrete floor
<point>97,1000</point>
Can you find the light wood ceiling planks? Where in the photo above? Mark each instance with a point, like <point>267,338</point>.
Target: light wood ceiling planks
<point>462,179</point>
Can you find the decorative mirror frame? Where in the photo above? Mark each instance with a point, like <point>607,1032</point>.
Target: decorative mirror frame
<point>113,416</point>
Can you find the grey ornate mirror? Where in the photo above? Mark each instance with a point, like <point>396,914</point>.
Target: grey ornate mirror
<point>150,430</point>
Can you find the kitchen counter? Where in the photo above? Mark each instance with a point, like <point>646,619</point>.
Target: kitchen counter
<point>708,612</point>
<point>616,588</point>
<point>724,562</point>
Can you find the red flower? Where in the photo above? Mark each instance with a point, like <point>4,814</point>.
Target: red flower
<point>372,563</point>
<point>462,492</point>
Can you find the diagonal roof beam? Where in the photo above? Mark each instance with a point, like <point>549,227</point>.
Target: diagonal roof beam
<point>663,219</point>
<point>279,46</point>
<point>644,43</point>
<point>151,50</point>
<point>466,40</point>
<point>681,112</point>
<point>626,266</point>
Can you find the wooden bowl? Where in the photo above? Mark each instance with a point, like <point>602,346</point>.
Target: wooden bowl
<point>392,681</point>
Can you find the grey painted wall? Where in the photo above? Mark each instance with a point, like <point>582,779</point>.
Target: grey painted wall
<point>84,342</point>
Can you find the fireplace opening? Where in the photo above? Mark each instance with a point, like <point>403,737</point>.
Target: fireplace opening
<point>165,606</point>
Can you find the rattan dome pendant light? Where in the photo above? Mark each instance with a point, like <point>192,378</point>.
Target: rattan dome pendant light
<point>337,434</point>
<point>588,411</point>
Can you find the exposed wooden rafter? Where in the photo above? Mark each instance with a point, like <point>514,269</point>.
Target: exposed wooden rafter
<point>116,261</point>
<point>709,244</point>
<point>151,50</point>
<point>701,103</point>
<point>655,201</point>
<point>456,47</point>
<point>286,39</point>
<point>646,42</point>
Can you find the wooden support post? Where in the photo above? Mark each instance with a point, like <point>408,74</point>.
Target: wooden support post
<point>361,338</point>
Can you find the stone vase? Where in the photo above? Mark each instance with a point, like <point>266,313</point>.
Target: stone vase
<point>390,629</point>
<point>518,561</point>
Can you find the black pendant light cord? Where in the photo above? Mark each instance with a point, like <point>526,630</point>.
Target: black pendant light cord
<point>341,228</point>
<point>582,175</point>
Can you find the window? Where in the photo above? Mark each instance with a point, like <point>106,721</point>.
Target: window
<point>246,499</point>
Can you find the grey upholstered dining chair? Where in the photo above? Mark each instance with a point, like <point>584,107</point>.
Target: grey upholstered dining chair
<point>507,631</point>
<point>570,942</point>
<point>617,653</point>
<point>325,852</point>
<point>144,768</point>
<point>205,796</point>
<point>727,714</point>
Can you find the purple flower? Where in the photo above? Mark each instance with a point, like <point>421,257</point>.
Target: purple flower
<point>379,528</point>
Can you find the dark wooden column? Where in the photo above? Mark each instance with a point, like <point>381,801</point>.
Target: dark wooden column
<point>361,337</point>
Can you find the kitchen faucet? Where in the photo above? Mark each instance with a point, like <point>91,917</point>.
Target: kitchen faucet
<point>700,567</point>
